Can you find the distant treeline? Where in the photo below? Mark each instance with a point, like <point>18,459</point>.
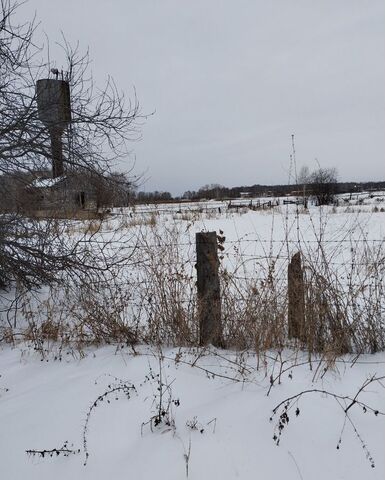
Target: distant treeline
<point>216,191</point>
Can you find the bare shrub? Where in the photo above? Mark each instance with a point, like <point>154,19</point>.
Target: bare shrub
<point>345,300</point>
<point>254,312</point>
<point>150,294</point>
<point>167,293</point>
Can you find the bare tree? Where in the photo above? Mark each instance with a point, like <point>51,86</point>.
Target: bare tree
<point>34,251</point>
<point>321,184</point>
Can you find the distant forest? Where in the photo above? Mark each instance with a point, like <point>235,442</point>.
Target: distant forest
<point>215,191</point>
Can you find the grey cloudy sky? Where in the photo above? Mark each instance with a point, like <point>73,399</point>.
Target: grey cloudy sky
<point>230,81</point>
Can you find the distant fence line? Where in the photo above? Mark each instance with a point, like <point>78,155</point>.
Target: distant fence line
<point>252,203</point>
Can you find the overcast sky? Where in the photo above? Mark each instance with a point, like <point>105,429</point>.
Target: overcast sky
<point>230,82</point>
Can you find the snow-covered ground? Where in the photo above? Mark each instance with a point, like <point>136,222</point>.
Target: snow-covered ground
<point>44,404</point>
<point>220,402</point>
<point>349,239</point>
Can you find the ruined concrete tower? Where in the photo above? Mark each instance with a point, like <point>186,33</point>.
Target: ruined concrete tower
<point>54,109</point>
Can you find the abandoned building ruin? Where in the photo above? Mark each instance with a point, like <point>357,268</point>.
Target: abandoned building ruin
<point>65,190</point>
<point>61,189</point>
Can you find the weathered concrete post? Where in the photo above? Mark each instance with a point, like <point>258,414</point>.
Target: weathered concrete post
<point>54,109</point>
<point>296,294</point>
<point>209,300</point>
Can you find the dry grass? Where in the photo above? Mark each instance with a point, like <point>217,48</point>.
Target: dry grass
<point>138,220</point>
<point>75,214</point>
<point>152,299</point>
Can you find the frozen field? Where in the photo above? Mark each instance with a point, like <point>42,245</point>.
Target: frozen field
<point>153,253</point>
<point>212,419</point>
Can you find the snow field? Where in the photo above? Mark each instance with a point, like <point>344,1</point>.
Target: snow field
<point>47,403</point>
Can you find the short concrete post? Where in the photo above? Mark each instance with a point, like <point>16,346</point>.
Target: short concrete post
<point>209,300</point>
<point>296,294</point>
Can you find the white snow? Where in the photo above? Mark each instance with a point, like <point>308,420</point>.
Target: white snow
<point>47,402</point>
<point>47,182</point>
